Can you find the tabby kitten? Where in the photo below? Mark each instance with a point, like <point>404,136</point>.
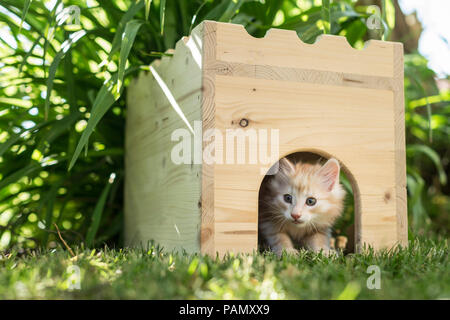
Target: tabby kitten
<point>298,205</point>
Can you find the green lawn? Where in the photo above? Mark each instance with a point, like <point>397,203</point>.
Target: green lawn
<point>419,272</point>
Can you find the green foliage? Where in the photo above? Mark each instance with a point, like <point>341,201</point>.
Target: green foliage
<point>61,92</point>
<point>97,214</point>
<point>427,117</point>
<point>418,272</point>
<point>326,16</point>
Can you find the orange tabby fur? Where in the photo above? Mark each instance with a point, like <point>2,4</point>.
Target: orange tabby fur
<point>283,224</point>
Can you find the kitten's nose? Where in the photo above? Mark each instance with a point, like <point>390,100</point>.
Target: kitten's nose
<point>295,216</point>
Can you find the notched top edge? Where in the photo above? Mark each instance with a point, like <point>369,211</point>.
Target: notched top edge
<point>190,43</point>
<point>273,34</point>
<point>180,45</point>
<point>322,40</point>
<point>171,53</point>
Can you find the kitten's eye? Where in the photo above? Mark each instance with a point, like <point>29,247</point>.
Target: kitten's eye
<point>311,201</point>
<point>288,198</point>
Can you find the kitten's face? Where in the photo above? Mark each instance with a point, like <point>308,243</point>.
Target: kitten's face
<point>306,194</point>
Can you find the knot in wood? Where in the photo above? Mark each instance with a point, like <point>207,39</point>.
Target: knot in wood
<point>243,122</point>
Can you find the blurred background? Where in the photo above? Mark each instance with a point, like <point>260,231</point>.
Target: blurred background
<point>64,67</point>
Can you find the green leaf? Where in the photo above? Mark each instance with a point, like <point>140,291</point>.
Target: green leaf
<point>147,8</point>
<point>29,53</point>
<point>49,212</point>
<point>16,136</point>
<point>97,214</point>
<point>131,12</point>
<point>26,6</point>
<point>416,185</point>
<point>388,17</point>
<point>49,34</point>
<point>194,17</point>
<point>70,82</point>
<point>162,14</point>
<point>310,34</point>
<point>128,37</point>
<point>29,169</point>
<point>326,16</point>
<point>103,101</point>
<point>230,11</point>
<point>414,78</point>
<point>432,155</point>
<point>346,183</point>
<point>59,127</point>
<point>73,38</point>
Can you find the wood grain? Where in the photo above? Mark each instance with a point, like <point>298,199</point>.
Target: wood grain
<point>400,144</point>
<point>326,98</point>
<point>162,199</point>
<point>283,48</point>
<point>207,239</point>
<point>326,119</point>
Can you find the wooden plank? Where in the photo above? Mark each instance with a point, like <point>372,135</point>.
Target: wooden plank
<point>161,197</point>
<point>207,234</point>
<point>327,119</point>
<point>283,48</point>
<point>400,144</point>
<point>303,75</point>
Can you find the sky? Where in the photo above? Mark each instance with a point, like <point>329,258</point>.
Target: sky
<point>435,18</point>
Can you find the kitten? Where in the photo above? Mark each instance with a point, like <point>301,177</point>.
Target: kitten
<point>298,205</point>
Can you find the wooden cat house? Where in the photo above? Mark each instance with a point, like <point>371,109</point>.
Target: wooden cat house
<point>327,98</point>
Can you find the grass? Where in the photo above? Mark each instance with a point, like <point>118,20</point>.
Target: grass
<point>419,272</point>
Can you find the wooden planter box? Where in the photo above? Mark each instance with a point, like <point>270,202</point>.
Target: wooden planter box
<point>326,98</point>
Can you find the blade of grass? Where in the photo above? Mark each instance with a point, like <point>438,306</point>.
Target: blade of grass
<point>70,82</point>
<point>194,17</point>
<point>388,14</point>
<point>231,10</point>
<point>29,169</point>
<point>147,8</point>
<point>103,101</point>
<point>50,30</point>
<point>162,13</point>
<point>115,45</point>
<point>433,156</point>
<point>97,214</point>
<point>273,7</point>
<point>114,228</point>
<point>49,212</point>
<point>419,86</point>
<point>59,127</point>
<point>326,16</point>
<point>29,53</point>
<point>128,37</point>
<point>73,38</point>
<point>310,34</point>
<point>16,136</point>
<point>416,185</point>
<point>26,6</point>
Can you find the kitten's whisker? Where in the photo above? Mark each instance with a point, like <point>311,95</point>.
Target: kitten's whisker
<point>314,226</point>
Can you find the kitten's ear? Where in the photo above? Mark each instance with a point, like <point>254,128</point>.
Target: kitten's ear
<point>286,166</point>
<point>329,173</point>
